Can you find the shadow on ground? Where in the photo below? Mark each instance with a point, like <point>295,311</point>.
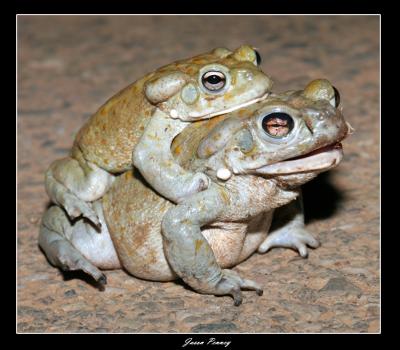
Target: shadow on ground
<point>321,198</point>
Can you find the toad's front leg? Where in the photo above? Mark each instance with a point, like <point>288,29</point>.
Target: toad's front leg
<point>153,157</point>
<point>290,231</point>
<point>189,253</point>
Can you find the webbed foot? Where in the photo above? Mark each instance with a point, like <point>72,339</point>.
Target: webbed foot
<point>297,238</point>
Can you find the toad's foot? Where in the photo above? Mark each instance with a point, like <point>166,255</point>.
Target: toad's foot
<point>297,238</point>
<point>75,207</point>
<point>231,283</point>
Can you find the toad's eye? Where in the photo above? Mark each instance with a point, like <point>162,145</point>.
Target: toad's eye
<point>258,57</point>
<point>337,97</point>
<point>278,124</point>
<point>213,81</point>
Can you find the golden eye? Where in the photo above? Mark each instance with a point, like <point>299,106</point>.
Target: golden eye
<point>277,124</point>
<point>213,80</point>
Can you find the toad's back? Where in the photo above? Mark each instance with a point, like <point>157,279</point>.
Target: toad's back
<point>109,136</point>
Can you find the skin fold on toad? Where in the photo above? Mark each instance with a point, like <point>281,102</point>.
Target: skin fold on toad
<point>257,159</point>
<point>135,128</point>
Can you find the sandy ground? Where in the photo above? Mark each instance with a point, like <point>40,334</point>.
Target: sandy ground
<point>68,66</point>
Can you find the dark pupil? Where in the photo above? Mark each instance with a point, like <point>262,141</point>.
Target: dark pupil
<point>337,97</point>
<point>258,57</point>
<point>213,79</point>
<point>278,124</point>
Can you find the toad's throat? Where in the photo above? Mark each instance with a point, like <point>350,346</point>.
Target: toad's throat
<point>320,159</point>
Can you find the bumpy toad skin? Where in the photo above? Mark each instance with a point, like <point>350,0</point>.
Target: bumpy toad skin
<point>210,231</point>
<point>137,126</point>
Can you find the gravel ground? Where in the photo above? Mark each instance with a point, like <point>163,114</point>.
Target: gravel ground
<point>68,66</point>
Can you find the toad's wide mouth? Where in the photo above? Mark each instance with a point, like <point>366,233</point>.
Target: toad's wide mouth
<point>321,159</point>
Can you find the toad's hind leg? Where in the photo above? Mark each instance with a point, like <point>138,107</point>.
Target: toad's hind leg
<point>77,245</point>
<point>73,183</point>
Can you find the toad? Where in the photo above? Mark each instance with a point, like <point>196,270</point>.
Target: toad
<point>137,125</point>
